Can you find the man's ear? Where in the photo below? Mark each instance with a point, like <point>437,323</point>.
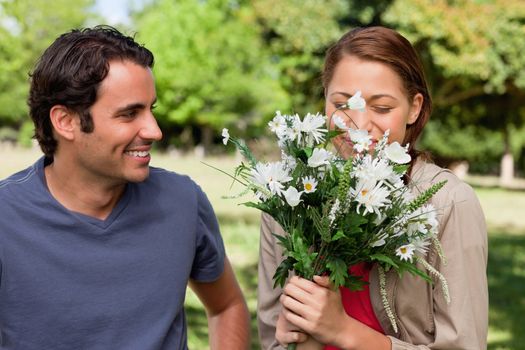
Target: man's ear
<point>64,121</point>
<point>415,108</point>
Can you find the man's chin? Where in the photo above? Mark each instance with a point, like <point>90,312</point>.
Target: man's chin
<point>138,177</point>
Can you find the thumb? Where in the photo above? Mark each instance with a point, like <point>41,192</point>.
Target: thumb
<point>323,281</point>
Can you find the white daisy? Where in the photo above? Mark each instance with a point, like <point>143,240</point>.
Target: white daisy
<point>356,102</point>
<point>278,124</point>
<point>370,195</point>
<point>309,184</point>
<point>312,126</point>
<point>339,122</point>
<point>375,168</point>
<point>319,157</point>
<point>271,176</point>
<point>397,153</point>
<point>225,136</point>
<point>288,161</point>
<point>380,240</point>
<point>421,245</point>
<point>293,133</point>
<point>406,252</point>
<point>360,138</point>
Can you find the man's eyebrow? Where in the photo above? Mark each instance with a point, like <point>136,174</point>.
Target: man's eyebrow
<point>133,106</point>
<point>130,107</point>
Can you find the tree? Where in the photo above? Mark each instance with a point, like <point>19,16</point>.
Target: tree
<point>298,33</point>
<point>27,27</point>
<point>212,70</point>
<point>474,51</point>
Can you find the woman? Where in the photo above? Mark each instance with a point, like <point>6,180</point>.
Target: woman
<point>384,66</point>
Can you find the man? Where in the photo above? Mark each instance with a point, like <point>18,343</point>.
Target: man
<point>96,247</point>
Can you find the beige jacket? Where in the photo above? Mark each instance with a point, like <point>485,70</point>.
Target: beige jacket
<point>424,319</point>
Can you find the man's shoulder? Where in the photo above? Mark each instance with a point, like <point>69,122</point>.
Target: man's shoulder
<point>19,179</point>
<point>168,177</point>
<point>169,183</point>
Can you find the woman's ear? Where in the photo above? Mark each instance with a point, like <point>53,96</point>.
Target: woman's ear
<point>63,121</point>
<point>415,108</point>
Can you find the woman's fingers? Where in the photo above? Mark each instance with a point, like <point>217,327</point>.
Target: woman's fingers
<point>295,319</point>
<point>323,281</point>
<point>296,293</point>
<point>294,305</point>
<point>290,337</point>
<point>286,332</point>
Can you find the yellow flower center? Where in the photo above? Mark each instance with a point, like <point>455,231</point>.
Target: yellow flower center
<point>308,187</point>
<point>364,192</point>
<point>403,250</point>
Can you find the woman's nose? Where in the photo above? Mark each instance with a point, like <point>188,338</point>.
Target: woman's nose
<point>361,119</point>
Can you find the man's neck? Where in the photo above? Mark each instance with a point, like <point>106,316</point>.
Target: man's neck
<point>79,194</point>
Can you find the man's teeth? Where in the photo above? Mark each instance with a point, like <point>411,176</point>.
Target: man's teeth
<point>138,153</point>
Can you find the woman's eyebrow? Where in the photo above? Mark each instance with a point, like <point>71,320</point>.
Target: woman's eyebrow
<point>373,97</point>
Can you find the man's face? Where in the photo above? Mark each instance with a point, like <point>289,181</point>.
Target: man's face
<point>117,151</point>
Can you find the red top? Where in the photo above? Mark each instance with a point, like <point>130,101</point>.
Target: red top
<point>357,304</point>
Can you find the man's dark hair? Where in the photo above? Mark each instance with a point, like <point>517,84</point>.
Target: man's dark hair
<point>70,71</point>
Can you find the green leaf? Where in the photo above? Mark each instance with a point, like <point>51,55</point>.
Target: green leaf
<point>410,267</point>
<point>338,271</point>
<point>333,133</point>
<point>284,241</point>
<point>304,153</point>
<point>338,235</point>
<point>304,258</point>
<point>282,272</point>
<point>354,283</point>
<point>261,206</point>
<point>385,259</point>
<point>308,151</point>
<point>400,168</point>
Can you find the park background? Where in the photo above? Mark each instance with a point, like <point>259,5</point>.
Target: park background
<point>233,63</point>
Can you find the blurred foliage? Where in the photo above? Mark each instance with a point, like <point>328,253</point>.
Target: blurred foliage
<point>297,33</point>
<point>27,27</point>
<point>232,63</point>
<point>473,51</point>
<point>211,67</point>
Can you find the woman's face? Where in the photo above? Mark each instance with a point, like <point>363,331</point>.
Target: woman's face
<point>387,104</point>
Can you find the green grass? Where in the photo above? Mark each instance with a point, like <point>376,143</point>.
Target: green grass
<point>506,276</point>
<point>504,210</point>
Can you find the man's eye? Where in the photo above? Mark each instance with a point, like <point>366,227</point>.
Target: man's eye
<point>341,105</point>
<point>129,114</point>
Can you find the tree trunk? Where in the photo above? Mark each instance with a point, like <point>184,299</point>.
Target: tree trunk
<point>506,176</point>
<point>204,148</point>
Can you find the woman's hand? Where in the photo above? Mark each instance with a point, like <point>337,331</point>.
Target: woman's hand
<point>314,307</point>
<point>286,333</point>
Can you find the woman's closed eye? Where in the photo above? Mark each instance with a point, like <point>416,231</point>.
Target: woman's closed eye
<point>382,109</point>
<point>341,105</point>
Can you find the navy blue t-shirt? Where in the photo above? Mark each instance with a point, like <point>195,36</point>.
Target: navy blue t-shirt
<point>70,281</point>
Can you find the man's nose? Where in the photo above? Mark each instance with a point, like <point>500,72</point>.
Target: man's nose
<point>150,129</point>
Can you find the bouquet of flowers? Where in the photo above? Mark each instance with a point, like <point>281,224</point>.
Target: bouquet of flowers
<point>340,212</point>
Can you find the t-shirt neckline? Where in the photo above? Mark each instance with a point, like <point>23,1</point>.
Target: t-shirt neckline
<point>102,224</point>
